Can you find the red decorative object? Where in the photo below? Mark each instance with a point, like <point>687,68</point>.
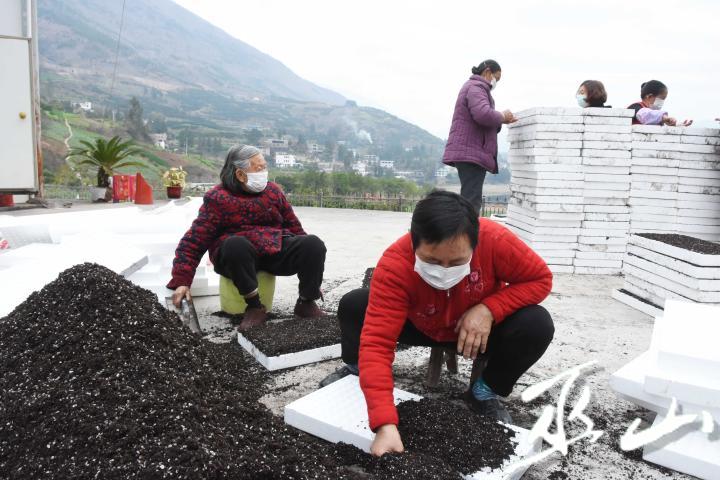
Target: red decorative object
<point>123,188</point>
<point>174,192</point>
<point>143,191</point>
<point>6,200</point>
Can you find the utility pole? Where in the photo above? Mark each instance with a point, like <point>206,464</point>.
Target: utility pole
<point>35,61</point>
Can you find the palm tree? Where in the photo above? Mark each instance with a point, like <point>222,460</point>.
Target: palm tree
<point>106,155</point>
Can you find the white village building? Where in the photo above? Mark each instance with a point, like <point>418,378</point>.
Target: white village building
<point>285,160</point>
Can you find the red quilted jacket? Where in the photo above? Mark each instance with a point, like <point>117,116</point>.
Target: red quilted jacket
<point>262,218</point>
<point>505,275</point>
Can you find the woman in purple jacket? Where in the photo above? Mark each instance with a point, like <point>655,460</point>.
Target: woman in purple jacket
<point>472,143</point>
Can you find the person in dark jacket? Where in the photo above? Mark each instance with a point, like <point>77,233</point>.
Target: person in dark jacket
<point>247,224</point>
<point>472,143</point>
<point>591,93</point>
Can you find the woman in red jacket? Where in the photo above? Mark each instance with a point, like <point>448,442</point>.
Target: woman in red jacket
<point>453,281</point>
<point>247,224</point>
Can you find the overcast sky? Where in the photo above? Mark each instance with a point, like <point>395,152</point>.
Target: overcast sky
<point>411,57</point>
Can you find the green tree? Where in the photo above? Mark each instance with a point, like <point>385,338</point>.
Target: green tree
<point>134,121</point>
<point>254,136</point>
<point>156,123</point>
<point>186,138</point>
<point>107,155</point>
<point>64,175</point>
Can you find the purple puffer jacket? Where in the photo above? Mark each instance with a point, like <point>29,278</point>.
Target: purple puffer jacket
<point>475,125</point>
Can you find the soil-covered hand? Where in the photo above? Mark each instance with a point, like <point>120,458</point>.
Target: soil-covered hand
<point>474,330</point>
<point>387,440</point>
<point>180,293</point>
<point>687,123</point>
<point>667,120</point>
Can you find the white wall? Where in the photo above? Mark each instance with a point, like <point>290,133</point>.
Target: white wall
<point>12,18</point>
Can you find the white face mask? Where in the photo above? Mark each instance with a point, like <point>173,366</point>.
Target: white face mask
<point>439,277</point>
<point>581,100</point>
<point>257,181</point>
<point>658,104</point>
<point>493,83</point>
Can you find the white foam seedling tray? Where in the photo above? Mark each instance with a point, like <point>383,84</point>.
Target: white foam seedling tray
<point>338,413</point>
<point>290,360</point>
<point>628,383</point>
<point>686,363</point>
<point>691,452</point>
<point>688,256</point>
<point>633,302</point>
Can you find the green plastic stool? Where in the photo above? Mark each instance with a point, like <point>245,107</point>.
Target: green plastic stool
<point>233,303</point>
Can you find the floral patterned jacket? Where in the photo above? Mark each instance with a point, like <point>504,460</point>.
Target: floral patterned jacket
<point>263,218</point>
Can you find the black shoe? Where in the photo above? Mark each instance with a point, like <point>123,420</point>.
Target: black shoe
<point>338,374</point>
<point>488,408</point>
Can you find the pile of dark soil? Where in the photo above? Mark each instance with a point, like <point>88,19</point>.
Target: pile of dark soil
<point>100,381</point>
<point>294,335</point>
<point>438,428</point>
<point>683,241</point>
<point>368,277</point>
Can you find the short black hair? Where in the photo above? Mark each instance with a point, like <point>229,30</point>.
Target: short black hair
<point>491,64</point>
<point>443,215</point>
<point>653,87</point>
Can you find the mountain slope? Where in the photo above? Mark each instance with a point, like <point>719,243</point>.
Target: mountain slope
<point>163,46</point>
<point>203,84</point>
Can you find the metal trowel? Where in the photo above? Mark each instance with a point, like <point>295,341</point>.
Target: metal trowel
<point>188,316</point>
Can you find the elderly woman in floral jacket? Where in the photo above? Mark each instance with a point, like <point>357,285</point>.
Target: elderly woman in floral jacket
<point>472,145</point>
<point>247,224</point>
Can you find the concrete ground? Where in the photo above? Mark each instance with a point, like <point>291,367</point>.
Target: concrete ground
<point>589,325</point>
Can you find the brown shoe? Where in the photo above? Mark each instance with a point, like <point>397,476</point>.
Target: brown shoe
<point>304,309</point>
<point>253,317</point>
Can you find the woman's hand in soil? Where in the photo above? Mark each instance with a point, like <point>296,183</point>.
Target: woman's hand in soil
<point>474,330</point>
<point>387,440</point>
<point>180,293</point>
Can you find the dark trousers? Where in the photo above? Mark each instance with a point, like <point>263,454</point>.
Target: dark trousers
<point>303,255</point>
<point>472,177</point>
<point>515,344</point>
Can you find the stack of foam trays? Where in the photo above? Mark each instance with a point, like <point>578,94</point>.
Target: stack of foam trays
<point>678,379</point>
<point>676,181</point>
<point>570,186</point>
<point>662,266</point>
